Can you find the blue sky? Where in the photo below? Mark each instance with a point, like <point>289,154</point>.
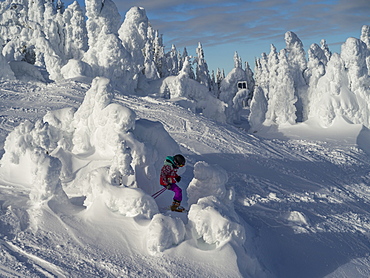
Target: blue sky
<point>250,26</point>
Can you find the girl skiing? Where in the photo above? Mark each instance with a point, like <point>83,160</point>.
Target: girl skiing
<point>169,177</point>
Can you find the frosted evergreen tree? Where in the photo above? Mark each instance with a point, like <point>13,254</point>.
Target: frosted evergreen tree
<point>273,64</point>
<point>134,33</point>
<point>258,109</point>
<point>365,37</point>
<point>281,103</point>
<point>159,55</point>
<point>220,75</point>
<point>354,54</point>
<point>76,32</point>
<point>106,54</point>
<point>332,96</point>
<point>298,64</point>
<point>315,70</point>
<point>202,73</point>
<point>36,10</point>
<point>15,31</point>
<point>250,79</point>
<point>172,61</point>
<point>54,30</point>
<point>326,50</point>
<point>151,71</point>
<point>238,63</point>
<point>101,14</point>
<point>186,70</point>
<point>262,73</point>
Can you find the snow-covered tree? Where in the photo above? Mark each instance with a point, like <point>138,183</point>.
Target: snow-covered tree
<point>106,54</point>
<point>250,79</point>
<point>258,109</point>
<point>75,32</point>
<point>238,63</point>
<point>272,65</point>
<point>262,73</point>
<point>134,34</point>
<point>281,101</point>
<point>220,75</point>
<point>354,54</point>
<point>159,55</point>
<point>332,96</point>
<point>36,10</point>
<point>315,70</point>
<point>297,64</point>
<point>326,50</point>
<point>150,69</point>
<point>365,37</point>
<point>172,61</point>
<point>202,73</point>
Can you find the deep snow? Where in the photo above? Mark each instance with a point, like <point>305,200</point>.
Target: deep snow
<point>287,202</point>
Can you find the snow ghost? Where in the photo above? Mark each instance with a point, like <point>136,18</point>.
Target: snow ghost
<point>208,180</point>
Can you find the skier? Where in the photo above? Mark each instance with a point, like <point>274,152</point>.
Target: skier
<point>169,177</point>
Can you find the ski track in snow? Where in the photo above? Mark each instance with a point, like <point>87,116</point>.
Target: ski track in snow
<point>305,202</point>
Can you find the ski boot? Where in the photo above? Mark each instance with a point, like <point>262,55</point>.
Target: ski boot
<point>176,206</point>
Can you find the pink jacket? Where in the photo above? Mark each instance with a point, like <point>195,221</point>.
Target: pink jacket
<point>168,175</point>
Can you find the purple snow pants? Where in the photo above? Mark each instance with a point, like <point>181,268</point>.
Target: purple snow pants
<point>178,192</point>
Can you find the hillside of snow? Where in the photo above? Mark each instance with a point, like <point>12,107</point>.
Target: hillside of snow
<point>289,202</point>
<point>277,176</point>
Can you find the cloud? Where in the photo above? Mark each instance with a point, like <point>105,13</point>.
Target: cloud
<point>216,22</point>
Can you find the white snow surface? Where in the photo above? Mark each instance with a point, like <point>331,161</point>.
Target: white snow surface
<point>275,185</point>
<point>80,162</point>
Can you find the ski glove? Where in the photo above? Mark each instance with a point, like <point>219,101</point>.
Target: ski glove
<point>178,178</point>
<point>168,186</point>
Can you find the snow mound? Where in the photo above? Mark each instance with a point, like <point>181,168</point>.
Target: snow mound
<point>5,70</point>
<point>212,217</point>
<point>198,97</point>
<point>27,152</point>
<point>164,232</point>
<point>25,71</point>
<point>129,202</point>
<point>211,220</point>
<point>76,68</point>
<point>209,180</point>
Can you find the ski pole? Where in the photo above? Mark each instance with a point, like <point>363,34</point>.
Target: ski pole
<point>155,195</point>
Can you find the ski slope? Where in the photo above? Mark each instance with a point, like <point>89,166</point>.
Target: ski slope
<point>300,192</point>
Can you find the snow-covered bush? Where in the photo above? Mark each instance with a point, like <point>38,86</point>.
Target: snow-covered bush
<point>208,180</point>
<point>76,68</point>
<point>129,202</point>
<point>200,98</point>
<point>258,109</point>
<point>5,71</point>
<point>164,232</point>
<point>212,216</point>
<point>27,151</point>
<point>212,221</point>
